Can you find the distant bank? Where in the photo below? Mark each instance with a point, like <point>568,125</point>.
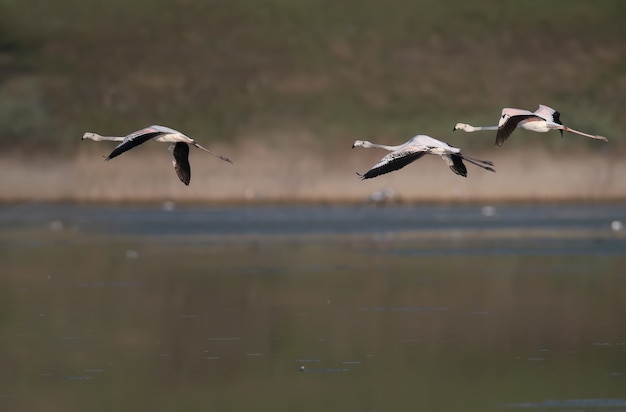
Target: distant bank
<point>263,174</point>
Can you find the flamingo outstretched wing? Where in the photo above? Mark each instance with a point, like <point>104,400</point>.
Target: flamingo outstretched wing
<point>132,140</point>
<point>180,159</point>
<point>393,161</point>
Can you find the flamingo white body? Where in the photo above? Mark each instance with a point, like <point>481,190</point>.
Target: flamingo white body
<point>414,149</point>
<point>178,149</point>
<point>541,120</point>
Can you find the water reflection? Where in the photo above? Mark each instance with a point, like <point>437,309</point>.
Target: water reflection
<point>451,318</point>
<point>574,404</point>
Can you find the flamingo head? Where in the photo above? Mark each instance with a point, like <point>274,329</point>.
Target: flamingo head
<point>362,143</point>
<point>89,135</point>
<point>463,126</point>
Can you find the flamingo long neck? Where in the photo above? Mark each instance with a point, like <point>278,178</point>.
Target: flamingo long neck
<point>113,138</point>
<point>382,146</point>
<point>478,128</point>
<point>96,137</point>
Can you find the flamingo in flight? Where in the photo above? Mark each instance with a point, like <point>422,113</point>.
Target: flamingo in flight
<point>178,149</point>
<point>541,120</point>
<point>414,149</point>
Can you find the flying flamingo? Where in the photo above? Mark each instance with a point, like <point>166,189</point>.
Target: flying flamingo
<point>178,149</point>
<point>414,149</point>
<point>541,120</point>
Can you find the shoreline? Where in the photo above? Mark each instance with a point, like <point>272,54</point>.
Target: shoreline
<point>297,175</point>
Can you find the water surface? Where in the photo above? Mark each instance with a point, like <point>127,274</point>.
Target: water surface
<point>355,308</point>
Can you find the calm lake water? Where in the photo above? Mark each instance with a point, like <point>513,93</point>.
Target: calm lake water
<point>316,308</point>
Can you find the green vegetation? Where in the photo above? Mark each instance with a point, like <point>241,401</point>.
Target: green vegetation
<point>335,69</point>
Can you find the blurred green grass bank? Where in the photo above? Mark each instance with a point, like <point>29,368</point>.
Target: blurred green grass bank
<point>230,70</point>
<point>284,87</point>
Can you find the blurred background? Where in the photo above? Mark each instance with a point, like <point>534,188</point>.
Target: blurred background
<point>285,87</point>
<point>269,285</point>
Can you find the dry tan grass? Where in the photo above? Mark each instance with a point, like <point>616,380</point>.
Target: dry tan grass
<point>305,172</point>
